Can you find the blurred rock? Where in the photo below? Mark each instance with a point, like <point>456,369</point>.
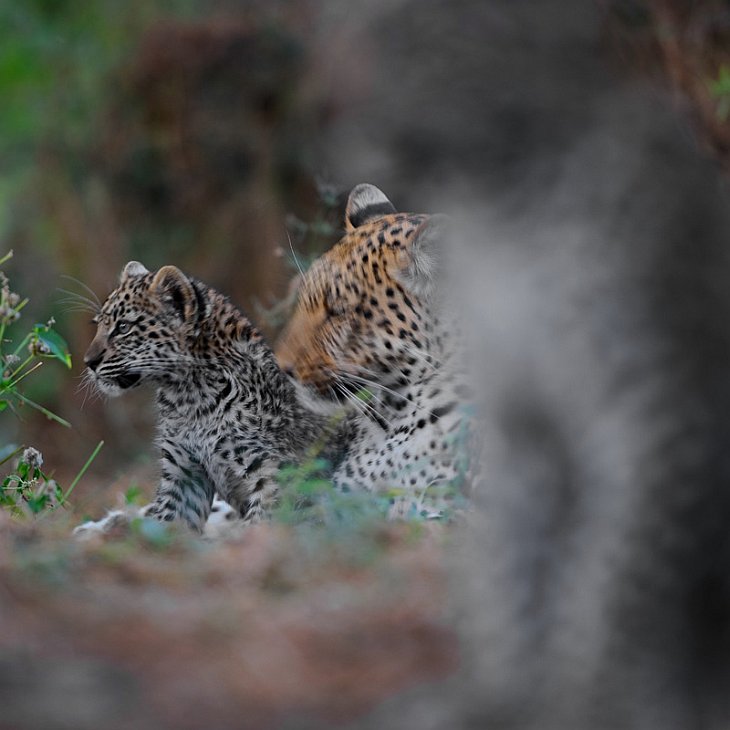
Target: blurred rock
<point>593,263</point>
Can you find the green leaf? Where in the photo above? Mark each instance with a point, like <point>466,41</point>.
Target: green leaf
<point>38,504</point>
<point>314,486</point>
<point>721,86</point>
<point>54,342</point>
<point>3,405</point>
<point>133,495</point>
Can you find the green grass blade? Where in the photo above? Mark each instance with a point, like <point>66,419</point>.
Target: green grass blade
<point>44,411</point>
<point>82,471</point>
<point>11,386</point>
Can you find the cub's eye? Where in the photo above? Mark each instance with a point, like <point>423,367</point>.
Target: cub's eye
<point>123,327</point>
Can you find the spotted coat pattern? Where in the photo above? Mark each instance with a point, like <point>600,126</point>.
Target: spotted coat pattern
<point>228,416</point>
<point>365,331</point>
<point>370,318</point>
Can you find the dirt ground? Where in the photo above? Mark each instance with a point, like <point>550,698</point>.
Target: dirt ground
<point>282,627</point>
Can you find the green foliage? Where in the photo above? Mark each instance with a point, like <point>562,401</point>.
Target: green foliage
<point>54,55</point>
<point>56,59</point>
<point>720,90</point>
<point>133,495</point>
<point>28,490</point>
<point>308,497</point>
<point>349,525</point>
<point>42,342</point>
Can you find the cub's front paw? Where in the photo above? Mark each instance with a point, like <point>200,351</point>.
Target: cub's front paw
<point>115,521</point>
<point>223,522</point>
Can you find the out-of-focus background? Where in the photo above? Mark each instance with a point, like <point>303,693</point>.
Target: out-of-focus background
<point>171,132</point>
<point>216,135</point>
<point>219,136</point>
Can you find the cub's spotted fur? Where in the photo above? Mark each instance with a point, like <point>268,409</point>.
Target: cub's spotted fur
<point>228,416</point>
<point>370,317</point>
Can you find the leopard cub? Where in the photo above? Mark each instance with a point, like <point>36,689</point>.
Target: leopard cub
<point>228,416</point>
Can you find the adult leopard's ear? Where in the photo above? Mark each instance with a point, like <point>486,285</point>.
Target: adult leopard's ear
<point>424,262</point>
<point>176,290</point>
<point>133,268</point>
<point>364,204</point>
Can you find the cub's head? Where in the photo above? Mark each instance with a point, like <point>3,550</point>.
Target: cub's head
<point>143,329</point>
<point>364,309</point>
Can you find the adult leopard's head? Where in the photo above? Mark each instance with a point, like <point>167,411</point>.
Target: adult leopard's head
<point>364,310</point>
<point>144,328</point>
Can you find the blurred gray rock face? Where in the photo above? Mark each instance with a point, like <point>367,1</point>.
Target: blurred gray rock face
<point>594,266</point>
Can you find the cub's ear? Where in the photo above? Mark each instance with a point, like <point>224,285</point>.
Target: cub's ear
<point>425,256</point>
<point>175,290</point>
<point>133,268</point>
<point>366,203</point>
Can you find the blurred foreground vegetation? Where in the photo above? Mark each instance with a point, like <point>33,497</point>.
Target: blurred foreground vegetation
<point>161,131</point>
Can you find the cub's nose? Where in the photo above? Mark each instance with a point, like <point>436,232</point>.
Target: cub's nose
<point>92,359</point>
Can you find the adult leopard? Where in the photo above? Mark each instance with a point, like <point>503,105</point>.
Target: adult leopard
<point>370,318</point>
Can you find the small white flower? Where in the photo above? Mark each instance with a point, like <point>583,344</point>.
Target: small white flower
<point>32,457</point>
<point>38,347</point>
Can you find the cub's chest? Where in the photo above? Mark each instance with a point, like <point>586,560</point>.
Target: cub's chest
<point>199,432</point>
